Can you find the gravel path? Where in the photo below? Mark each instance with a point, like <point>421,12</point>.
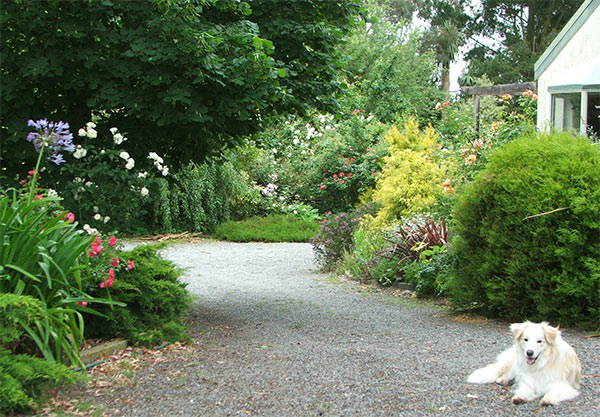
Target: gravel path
<point>275,338</point>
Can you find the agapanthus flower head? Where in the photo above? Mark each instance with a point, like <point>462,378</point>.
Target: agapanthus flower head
<point>52,135</point>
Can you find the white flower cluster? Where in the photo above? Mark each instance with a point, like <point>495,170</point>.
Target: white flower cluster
<point>88,131</point>
<point>158,163</point>
<point>90,230</point>
<point>130,161</point>
<point>269,189</point>
<point>99,217</point>
<point>117,137</point>
<point>80,152</point>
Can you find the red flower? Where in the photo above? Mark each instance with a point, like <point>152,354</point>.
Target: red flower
<point>92,252</point>
<point>346,163</point>
<point>342,174</point>
<point>82,303</point>
<point>322,187</point>
<point>339,155</point>
<point>350,174</point>
<point>130,265</point>
<point>22,182</point>
<point>112,241</point>
<point>115,262</point>
<point>335,176</point>
<point>341,181</point>
<point>38,197</point>
<point>352,159</point>
<point>31,172</point>
<point>111,273</point>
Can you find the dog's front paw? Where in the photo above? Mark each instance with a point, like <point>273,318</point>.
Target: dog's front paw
<point>503,381</point>
<point>546,402</point>
<point>518,400</point>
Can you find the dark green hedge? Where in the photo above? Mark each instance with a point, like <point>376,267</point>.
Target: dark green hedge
<point>527,233</point>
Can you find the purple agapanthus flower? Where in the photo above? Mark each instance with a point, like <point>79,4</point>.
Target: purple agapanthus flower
<point>53,135</point>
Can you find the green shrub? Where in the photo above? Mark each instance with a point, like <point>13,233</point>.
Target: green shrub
<point>273,228</point>
<point>334,239</point>
<point>528,233</point>
<point>202,196</point>
<point>156,302</point>
<point>24,378</point>
<point>430,273</point>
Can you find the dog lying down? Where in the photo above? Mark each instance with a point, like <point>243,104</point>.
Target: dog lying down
<point>540,362</point>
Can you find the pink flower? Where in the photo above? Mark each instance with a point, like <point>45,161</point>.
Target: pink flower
<point>111,273</point>
<point>350,174</point>
<point>115,262</point>
<point>96,241</point>
<point>346,163</point>
<point>22,182</point>
<point>130,265</point>
<point>352,159</point>
<point>110,282</point>
<point>102,285</point>
<point>322,187</point>
<point>82,303</point>
<point>341,181</point>
<point>373,174</point>
<point>335,176</point>
<point>92,252</point>
<point>112,241</point>
<point>31,172</point>
<point>70,217</point>
<point>38,197</point>
<point>342,174</point>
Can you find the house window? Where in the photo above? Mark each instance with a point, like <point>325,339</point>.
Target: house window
<point>593,115</point>
<point>566,111</point>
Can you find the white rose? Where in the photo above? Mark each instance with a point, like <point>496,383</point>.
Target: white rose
<point>118,139</point>
<point>79,152</point>
<point>113,130</point>
<point>154,155</point>
<point>165,171</point>
<point>52,193</point>
<point>91,133</point>
<point>142,174</point>
<point>97,216</point>
<point>90,125</point>
<point>106,219</point>
<point>124,155</point>
<point>144,191</point>
<point>95,208</point>
<point>130,163</point>
<point>82,132</point>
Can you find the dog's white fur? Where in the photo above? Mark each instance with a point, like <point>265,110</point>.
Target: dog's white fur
<point>540,362</point>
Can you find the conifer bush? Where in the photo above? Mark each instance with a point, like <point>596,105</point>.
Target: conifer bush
<point>527,233</point>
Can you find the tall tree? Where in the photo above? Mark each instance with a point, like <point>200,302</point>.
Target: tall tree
<point>182,77</point>
<point>522,30</point>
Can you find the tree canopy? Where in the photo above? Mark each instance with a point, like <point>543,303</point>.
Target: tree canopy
<point>523,29</point>
<point>181,77</point>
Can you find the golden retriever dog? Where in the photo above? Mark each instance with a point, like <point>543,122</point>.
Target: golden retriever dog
<point>541,364</point>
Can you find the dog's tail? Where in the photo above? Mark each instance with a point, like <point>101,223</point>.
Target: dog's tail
<point>496,372</point>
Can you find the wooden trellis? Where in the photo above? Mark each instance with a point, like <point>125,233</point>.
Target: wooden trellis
<point>495,90</point>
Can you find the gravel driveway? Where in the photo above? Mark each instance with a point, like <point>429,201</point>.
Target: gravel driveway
<point>275,338</point>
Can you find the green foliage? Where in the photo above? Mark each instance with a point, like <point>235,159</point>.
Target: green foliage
<point>388,76</point>
<point>334,238</point>
<point>101,185</point>
<point>272,228</point>
<point>411,180</point>
<point>430,273</point>
<point>523,39</point>
<point>156,302</point>
<point>202,196</point>
<point>24,378</point>
<point>183,78</point>
<point>43,256</point>
<point>15,309</point>
<point>513,265</point>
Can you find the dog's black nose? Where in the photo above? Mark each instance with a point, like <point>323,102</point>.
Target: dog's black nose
<point>529,353</point>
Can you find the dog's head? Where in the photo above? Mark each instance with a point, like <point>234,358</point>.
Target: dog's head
<point>534,339</point>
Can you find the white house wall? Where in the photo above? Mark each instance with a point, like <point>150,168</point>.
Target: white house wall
<point>583,47</point>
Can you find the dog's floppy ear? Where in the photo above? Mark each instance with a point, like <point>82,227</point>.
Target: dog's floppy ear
<point>517,329</point>
<point>550,333</point>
